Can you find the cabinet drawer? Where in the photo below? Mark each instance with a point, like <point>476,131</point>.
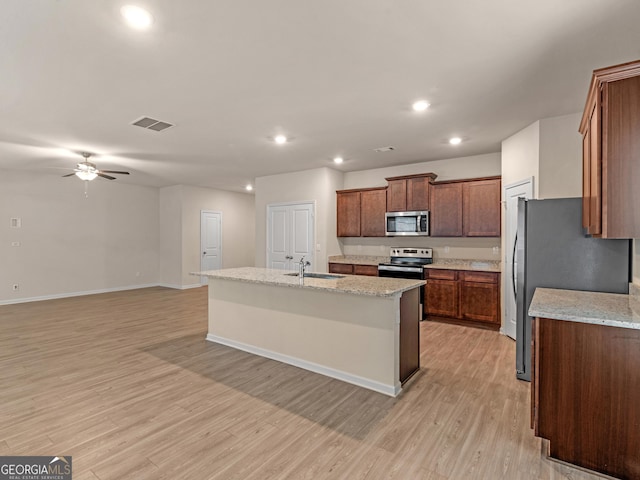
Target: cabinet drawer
<point>442,274</point>
<point>371,270</point>
<point>481,277</point>
<point>341,268</point>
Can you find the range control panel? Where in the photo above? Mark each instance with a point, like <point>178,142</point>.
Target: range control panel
<point>412,252</point>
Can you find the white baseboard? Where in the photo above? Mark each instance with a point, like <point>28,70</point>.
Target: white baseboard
<point>75,294</point>
<point>390,390</point>
<point>180,287</point>
<point>94,292</point>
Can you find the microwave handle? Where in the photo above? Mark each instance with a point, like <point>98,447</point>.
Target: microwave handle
<point>418,222</point>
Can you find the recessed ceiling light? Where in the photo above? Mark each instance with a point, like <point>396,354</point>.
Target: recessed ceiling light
<point>455,141</point>
<point>280,139</point>
<point>249,187</point>
<point>420,106</point>
<point>338,160</point>
<point>136,17</point>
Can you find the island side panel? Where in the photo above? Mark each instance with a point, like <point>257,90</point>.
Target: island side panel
<point>409,334</point>
<point>351,337</point>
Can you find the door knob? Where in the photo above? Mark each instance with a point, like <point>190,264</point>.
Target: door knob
<point>289,257</point>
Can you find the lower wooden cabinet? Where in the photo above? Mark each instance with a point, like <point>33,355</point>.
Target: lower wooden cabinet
<point>467,296</point>
<point>585,389</point>
<point>442,294</point>
<point>353,269</point>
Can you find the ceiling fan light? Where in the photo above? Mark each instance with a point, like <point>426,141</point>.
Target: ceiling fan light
<point>86,175</point>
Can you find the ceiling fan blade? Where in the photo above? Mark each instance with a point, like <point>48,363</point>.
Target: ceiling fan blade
<point>108,177</point>
<point>114,171</point>
<point>69,175</point>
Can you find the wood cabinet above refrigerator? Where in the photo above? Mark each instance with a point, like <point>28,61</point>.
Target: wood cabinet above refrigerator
<point>610,128</point>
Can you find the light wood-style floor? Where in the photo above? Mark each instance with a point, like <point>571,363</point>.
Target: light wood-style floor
<point>126,383</point>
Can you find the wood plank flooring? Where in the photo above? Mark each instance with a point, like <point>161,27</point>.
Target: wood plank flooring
<point>126,383</point>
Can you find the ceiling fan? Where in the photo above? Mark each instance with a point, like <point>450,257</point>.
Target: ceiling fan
<point>88,171</point>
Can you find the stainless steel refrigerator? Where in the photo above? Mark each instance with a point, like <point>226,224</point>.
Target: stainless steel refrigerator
<point>552,251</point>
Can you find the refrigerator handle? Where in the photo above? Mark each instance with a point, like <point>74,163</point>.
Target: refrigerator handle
<point>513,269</point>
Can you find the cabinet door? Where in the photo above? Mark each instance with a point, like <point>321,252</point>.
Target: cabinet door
<point>346,268</point>
<point>481,208</point>
<point>446,210</point>
<point>373,205</point>
<point>348,215</point>
<point>418,193</point>
<point>370,270</point>
<point>397,196</point>
<point>586,179</point>
<point>595,173</point>
<point>442,298</point>
<point>479,301</point>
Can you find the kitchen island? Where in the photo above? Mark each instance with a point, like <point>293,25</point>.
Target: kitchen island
<point>362,330</point>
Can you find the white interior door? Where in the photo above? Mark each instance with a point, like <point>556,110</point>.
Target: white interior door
<point>210,241</point>
<point>522,189</point>
<point>278,237</point>
<point>290,235</point>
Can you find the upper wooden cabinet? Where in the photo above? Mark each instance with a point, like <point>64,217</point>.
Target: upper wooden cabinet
<point>458,208</point>
<point>373,203</point>
<point>360,213</point>
<point>611,153</point>
<point>348,214</point>
<point>466,208</point>
<point>481,208</point>
<point>409,192</point>
<point>446,210</point>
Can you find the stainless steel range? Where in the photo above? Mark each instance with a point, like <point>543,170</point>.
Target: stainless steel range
<point>408,263</point>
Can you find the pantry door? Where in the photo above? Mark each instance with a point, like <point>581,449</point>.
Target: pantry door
<point>290,235</point>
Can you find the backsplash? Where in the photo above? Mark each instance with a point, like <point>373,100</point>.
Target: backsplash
<point>463,248</point>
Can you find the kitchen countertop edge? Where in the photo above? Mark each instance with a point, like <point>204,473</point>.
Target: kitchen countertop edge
<point>611,309</point>
<point>349,284</point>
<point>444,264</point>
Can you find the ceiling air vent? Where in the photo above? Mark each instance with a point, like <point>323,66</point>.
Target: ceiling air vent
<point>384,149</point>
<point>151,124</point>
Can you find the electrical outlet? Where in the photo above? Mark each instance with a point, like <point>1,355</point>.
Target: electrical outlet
<point>16,287</point>
<point>496,250</point>
<point>446,249</point>
<point>137,274</point>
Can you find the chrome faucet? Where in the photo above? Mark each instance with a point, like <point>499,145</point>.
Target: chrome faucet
<point>301,266</point>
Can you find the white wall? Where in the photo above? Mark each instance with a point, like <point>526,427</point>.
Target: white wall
<point>180,207</point>
<point>238,228</point>
<point>560,157</point>
<point>317,185</point>
<point>170,213</point>
<point>70,244</point>
<point>452,169</point>
<point>520,157</point>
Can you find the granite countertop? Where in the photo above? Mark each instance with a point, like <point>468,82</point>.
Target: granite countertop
<point>353,284</point>
<point>359,259</point>
<point>466,264</point>
<point>443,263</point>
<point>612,309</point>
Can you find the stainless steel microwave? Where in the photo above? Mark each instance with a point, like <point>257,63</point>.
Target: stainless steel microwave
<point>407,223</point>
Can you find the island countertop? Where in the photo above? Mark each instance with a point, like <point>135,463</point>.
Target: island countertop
<point>612,309</point>
<point>353,284</point>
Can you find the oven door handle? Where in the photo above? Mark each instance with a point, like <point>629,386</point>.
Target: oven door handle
<point>389,268</point>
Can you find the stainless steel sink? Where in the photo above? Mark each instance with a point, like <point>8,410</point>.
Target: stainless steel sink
<point>325,276</point>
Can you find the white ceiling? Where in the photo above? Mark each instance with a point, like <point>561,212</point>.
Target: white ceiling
<point>338,76</point>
